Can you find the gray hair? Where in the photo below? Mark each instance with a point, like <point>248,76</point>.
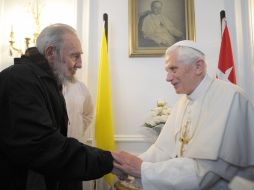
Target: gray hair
<point>53,35</point>
<point>186,54</point>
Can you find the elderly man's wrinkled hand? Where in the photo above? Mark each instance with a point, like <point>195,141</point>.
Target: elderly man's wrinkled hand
<point>119,173</point>
<point>127,163</point>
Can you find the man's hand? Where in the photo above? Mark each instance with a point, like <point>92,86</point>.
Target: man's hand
<point>119,173</point>
<point>128,163</point>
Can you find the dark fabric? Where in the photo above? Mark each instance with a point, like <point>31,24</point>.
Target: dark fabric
<point>33,129</point>
<point>70,185</point>
<point>35,181</point>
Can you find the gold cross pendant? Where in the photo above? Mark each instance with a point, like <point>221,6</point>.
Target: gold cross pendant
<point>184,139</point>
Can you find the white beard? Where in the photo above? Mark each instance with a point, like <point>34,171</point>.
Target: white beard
<point>59,70</point>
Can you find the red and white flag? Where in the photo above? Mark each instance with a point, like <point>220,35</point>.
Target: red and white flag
<point>226,66</point>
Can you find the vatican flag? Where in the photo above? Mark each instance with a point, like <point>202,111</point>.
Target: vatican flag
<point>104,133</point>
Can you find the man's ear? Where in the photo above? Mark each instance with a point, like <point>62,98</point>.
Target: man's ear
<point>50,54</point>
<point>200,66</point>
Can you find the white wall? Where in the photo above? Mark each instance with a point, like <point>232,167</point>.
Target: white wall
<point>240,20</point>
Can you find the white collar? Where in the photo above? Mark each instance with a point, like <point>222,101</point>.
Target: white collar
<point>200,89</point>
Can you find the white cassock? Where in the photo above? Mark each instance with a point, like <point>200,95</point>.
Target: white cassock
<point>80,113</point>
<point>160,29</point>
<point>221,141</point>
<point>79,108</point>
<point>241,183</point>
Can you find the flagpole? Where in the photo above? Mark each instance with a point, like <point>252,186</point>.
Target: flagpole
<point>222,20</point>
<point>105,18</point>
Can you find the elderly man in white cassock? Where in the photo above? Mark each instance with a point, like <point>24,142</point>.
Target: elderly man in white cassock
<point>209,136</point>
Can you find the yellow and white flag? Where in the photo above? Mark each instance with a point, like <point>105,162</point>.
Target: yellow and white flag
<point>104,132</point>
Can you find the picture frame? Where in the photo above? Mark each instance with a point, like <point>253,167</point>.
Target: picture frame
<point>156,25</point>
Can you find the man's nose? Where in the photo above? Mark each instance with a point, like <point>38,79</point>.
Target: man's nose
<point>79,63</point>
<point>169,77</point>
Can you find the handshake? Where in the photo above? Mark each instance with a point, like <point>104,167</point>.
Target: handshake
<point>126,164</point>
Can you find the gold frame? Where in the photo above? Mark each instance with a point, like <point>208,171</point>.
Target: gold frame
<point>135,51</point>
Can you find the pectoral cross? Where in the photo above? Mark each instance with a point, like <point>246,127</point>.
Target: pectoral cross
<point>184,138</point>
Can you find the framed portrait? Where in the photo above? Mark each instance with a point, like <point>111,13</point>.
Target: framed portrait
<point>154,25</point>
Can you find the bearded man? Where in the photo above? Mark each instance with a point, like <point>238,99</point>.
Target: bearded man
<point>34,119</point>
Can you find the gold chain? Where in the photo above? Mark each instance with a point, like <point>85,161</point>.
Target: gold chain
<point>184,137</point>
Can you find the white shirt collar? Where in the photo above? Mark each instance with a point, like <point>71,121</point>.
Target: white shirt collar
<point>200,89</point>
